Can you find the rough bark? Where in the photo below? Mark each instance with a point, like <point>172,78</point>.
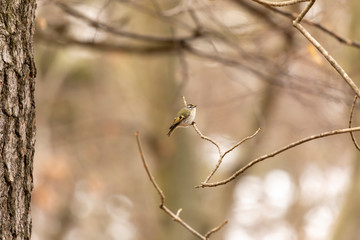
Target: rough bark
<point>17,117</point>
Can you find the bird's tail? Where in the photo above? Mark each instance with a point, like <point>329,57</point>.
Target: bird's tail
<point>172,128</point>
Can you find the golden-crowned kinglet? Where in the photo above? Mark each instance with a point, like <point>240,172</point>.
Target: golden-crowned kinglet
<point>184,118</point>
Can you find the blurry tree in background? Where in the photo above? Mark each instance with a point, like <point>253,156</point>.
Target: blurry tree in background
<point>108,68</point>
<point>17,117</point>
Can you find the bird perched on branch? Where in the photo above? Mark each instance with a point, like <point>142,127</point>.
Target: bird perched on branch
<point>184,118</point>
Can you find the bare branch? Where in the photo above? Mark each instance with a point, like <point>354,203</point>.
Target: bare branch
<point>194,17</point>
<point>206,138</point>
<point>66,41</point>
<point>215,229</point>
<point>184,71</point>
<point>264,157</point>
<point>152,179</point>
<point>122,33</point>
<point>304,11</point>
<point>165,15</point>
<point>240,142</point>
<point>312,40</point>
<point>350,121</point>
<point>322,50</point>
<point>280,4</point>
<point>328,57</point>
<point>175,217</point>
<point>223,155</point>
<point>331,33</point>
<point>178,212</point>
<point>184,100</point>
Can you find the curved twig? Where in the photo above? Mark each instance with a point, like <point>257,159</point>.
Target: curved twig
<point>321,27</point>
<point>215,229</point>
<point>280,4</point>
<point>221,155</point>
<point>350,121</point>
<point>174,216</point>
<point>206,138</point>
<point>224,154</point>
<point>262,158</point>
<point>184,101</point>
<point>312,40</point>
<point>122,33</point>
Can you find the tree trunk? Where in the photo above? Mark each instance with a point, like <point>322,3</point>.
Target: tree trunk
<point>17,117</point>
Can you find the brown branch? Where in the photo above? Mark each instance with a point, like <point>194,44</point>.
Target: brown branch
<point>312,40</point>
<point>184,71</point>
<point>184,101</point>
<point>304,11</point>
<point>175,217</point>
<point>221,155</point>
<point>328,57</point>
<point>331,33</point>
<point>350,121</point>
<point>152,179</point>
<point>240,142</point>
<point>206,138</point>
<point>280,4</point>
<point>215,229</point>
<point>264,157</point>
<point>122,33</point>
<point>61,40</point>
<point>331,60</point>
<point>163,15</point>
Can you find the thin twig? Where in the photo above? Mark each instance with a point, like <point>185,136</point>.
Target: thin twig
<point>175,217</point>
<point>328,57</point>
<point>122,33</point>
<point>215,229</point>
<point>350,121</point>
<point>293,16</point>
<point>262,158</point>
<point>152,179</point>
<point>243,140</point>
<point>184,100</point>
<point>178,212</point>
<point>221,155</point>
<point>206,138</point>
<point>304,11</point>
<point>224,154</point>
<point>184,70</point>
<point>104,45</point>
<point>280,4</point>
<point>312,40</point>
<point>194,18</point>
<point>163,15</point>
<point>331,60</point>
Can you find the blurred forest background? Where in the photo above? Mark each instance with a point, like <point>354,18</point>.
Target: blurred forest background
<point>109,68</point>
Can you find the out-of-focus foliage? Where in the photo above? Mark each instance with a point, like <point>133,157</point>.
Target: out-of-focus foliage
<point>89,181</point>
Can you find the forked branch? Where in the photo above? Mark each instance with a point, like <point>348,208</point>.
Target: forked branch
<point>311,39</point>
<point>174,216</point>
<point>221,155</point>
<point>262,158</point>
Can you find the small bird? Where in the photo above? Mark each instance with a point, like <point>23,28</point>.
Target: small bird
<point>184,118</point>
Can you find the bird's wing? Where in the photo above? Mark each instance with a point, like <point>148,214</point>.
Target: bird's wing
<point>177,121</point>
<point>184,113</point>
